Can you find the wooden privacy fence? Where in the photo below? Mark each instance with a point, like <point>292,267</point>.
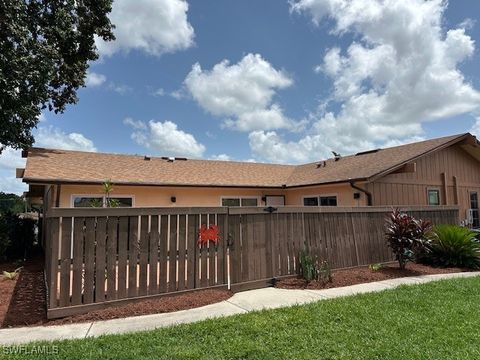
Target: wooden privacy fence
<point>99,257</point>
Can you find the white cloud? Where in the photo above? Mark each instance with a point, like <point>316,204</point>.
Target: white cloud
<point>119,88</point>
<point>221,157</point>
<point>50,137</point>
<point>94,79</point>
<point>400,72</point>
<point>11,159</point>
<point>153,26</point>
<point>159,92</point>
<point>165,138</point>
<point>241,92</point>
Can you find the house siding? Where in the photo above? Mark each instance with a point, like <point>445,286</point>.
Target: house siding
<point>434,171</point>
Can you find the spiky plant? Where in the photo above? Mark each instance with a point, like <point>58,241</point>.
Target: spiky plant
<point>452,245</point>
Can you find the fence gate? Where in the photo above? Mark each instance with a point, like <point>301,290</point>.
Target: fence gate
<point>98,256</point>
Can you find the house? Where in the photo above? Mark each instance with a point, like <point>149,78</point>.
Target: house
<point>443,171</point>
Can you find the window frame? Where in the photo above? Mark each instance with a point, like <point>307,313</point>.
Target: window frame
<point>100,196</point>
<point>318,196</point>
<point>258,198</point>
<point>439,196</point>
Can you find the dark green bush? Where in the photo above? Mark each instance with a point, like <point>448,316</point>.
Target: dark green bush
<point>17,236</point>
<point>451,245</point>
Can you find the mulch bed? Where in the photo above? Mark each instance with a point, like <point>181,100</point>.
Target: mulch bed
<point>363,274</point>
<point>27,306</point>
<point>28,301</point>
<point>6,289</point>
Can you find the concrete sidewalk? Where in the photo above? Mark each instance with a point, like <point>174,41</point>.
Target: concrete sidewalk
<point>267,298</point>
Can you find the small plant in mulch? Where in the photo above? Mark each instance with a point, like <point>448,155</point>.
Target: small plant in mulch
<point>375,267</point>
<point>404,235</point>
<point>311,269</point>
<point>11,275</point>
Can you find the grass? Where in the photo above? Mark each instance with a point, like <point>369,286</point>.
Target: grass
<point>437,320</point>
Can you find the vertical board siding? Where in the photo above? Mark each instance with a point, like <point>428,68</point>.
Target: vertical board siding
<point>100,258</point>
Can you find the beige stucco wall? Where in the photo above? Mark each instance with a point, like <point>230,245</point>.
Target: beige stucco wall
<point>186,196</point>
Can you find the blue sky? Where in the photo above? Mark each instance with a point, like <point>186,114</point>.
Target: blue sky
<point>273,80</point>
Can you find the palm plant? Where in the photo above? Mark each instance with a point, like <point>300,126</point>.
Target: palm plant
<point>451,245</point>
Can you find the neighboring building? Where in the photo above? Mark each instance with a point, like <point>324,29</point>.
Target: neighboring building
<point>442,171</point>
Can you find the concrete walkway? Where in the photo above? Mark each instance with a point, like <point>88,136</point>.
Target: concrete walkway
<point>267,298</point>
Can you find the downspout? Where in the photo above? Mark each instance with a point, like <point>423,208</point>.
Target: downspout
<point>367,193</point>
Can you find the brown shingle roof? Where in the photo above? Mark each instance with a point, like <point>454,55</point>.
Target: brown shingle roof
<point>47,165</point>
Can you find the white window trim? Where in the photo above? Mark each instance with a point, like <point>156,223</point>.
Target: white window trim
<point>318,197</point>
<point>259,199</point>
<point>101,196</point>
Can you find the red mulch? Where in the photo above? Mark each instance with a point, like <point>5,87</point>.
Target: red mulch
<point>361,275</point>
<point>6,289</point>
<point>28,301</point>
<point>28,304</point>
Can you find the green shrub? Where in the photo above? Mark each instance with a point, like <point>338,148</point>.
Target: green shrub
<point>451,245</point>
<point>375,267</point>
<point>16,236</point>
<point>312,269</point>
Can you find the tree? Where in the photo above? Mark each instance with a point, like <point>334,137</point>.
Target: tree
<point>11,203</point>
<point>45,47</point>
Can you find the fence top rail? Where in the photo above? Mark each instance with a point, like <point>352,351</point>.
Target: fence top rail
<point>139,211</point>
<point>337,209</point>
<point>135,211</point>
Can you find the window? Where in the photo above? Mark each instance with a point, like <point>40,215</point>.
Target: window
<point>330,200</point>
<point>239,202</point>
<point>87,201</point>
<point>83,201</point>
<point>122,201</point>
<point>310,201</point>
<point>434,197</point>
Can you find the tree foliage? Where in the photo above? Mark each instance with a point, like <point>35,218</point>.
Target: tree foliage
<point>45,47</point>
<point>11,203</point>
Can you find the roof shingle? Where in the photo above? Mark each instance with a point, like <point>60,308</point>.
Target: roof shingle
<point>48,165</point>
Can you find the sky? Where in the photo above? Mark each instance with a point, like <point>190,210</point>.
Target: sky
<point>272,81</point>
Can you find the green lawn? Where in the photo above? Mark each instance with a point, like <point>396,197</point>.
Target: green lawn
<point>438,320</point>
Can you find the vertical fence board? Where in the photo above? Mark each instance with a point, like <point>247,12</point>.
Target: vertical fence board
<point>65,265</point>
<point>53,284</point>
<point>143,266</point>
<point>192,267</point>
<point>222,248</point>
<point>172,255</point>
<point>211,254</point>
<point>112,243</point>
<point>78,236</point>
<point>133,251</point>
<point>100,238</point>
<point>182,233</point>
<point>122,256</point>
<point>234,248</point>
<point>89,279</point>
<point>203,256</point>
<point>153,255</point>
<point>163,263</point>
